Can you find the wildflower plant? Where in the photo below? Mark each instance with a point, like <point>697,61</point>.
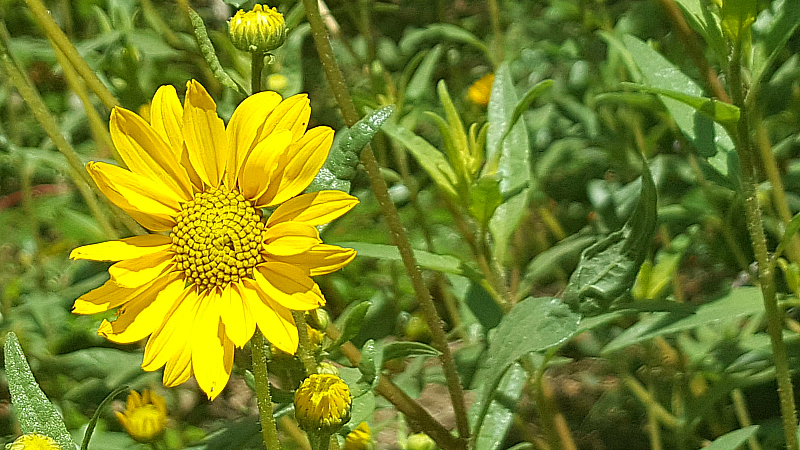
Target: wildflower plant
<point>519,199</point>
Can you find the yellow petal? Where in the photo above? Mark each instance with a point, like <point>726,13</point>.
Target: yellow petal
<point>290,238</point>
<point>322,259</point>
<point>292,114</point>
<point>204,134</point>
<point>298,166</point>
<point>108,296</point>
<point>256,174</point>
<point>239,321</point>
<point>244,127</point>
<point>146,153</point>
<point>315,208</point>
<point>139,317</point>
<point>172,335</point>
<point>128,248</point>
<point>209,347</point>
<point>132,273</point>
<point>166,117</point>
<point>146,200</point>
<point>178,368</point>
<point>288,285</point>
<point>274,321</point>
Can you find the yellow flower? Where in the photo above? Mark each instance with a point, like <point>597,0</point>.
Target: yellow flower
<point>34,441</point>
<point>322,403</point>
<point>259,30</point>
<point>145,416</point>
<point>478,93</point>
<point>225,269</point>
<point>359,439</point>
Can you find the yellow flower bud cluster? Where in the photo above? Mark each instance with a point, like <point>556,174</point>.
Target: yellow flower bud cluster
<point>322,403</point>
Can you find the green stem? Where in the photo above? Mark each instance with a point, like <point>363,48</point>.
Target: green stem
<point>269,430</point>
<point>766,278</point>
<point>304,353</point>
<point>257,65</point>
<point>398,233</point>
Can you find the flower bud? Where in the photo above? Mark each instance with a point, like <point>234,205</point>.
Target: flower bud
<point>145,416</point>
<point>259,30</point>
<point>359,439</point>
<point>420,441</point>
<point>34,441</point>
<point>322,403</point>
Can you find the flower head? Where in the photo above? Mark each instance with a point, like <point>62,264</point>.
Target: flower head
<point>34,441</point>
<point>225,268</point>
<point>322,403</point>
<point>359,439</point>
<point>145,415</point>
<point>479,92</point>
<point>259,30</point>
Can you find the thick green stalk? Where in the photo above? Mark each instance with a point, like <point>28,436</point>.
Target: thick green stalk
<point>766,277</point>
<point>398,233</point>
<point>269,430</point>
<point>304,353</point>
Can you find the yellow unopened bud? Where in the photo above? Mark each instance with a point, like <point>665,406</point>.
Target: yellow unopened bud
<point>145,416</point>
<point>259,30</point>
<point>359,439</point>
<point>34,441</point>
<point>479,92</point>
<point>420,441</point>
<point>322,403</point>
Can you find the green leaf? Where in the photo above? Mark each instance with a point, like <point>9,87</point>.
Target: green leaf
<point>734,439</point>
<point>737,17</point>
<point>739,303</point>
<point>210,55</point>
<point>437,33</point>
<point>706,23</point>
<point>523,105</point>
<point>340,167</point>
<point>485,198</point>
<point>508,154</point>
<point>430,158</point>
<point>533,325</point>
<point>370,363</point>
<point>608,268</point>
<point>710,139</point>
<point>34,411</point>
<point>426,260</point>
<point>564,256</point>
<point>771,32</point>
<point>500,414</point>
<point>421,80</point>
<point>720,112</point>
<point>353,319</point>
<point>404,349</point>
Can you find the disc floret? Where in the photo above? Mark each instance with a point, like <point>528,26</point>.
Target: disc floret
<point>217,238</point>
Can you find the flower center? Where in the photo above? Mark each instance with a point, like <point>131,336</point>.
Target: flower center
<point>217,238</point>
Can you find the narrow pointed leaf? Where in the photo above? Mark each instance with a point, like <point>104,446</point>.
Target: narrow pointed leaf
<point>608,269</point>
<point>34,411</point>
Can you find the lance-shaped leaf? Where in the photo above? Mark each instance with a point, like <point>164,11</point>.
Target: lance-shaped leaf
<point>508,155</point>
<point>34,411</point>
<point>340,167</point>
<point>711,140</point>
<point>533,325</point>
<point>608,268</point>
<point>723,113</point>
